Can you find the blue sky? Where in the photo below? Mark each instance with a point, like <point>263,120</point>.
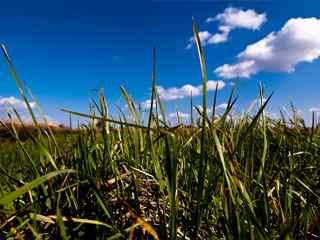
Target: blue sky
<point>64,49</point>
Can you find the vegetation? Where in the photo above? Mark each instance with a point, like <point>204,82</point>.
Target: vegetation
<point>221,178</point>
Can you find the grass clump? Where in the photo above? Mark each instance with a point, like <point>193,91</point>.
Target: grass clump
<point>247,178</point>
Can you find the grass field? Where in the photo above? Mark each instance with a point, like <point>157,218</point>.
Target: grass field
<point>249,177</point>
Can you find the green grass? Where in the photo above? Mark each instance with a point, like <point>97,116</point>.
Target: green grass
<point>246,178</point>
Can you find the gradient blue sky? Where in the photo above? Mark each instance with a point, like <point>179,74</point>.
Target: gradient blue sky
<point>64,49</point>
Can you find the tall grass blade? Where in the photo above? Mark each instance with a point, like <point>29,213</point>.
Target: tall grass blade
<point>203,157</point>
<point>7,199</point>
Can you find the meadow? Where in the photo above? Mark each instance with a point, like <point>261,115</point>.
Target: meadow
<point>250,177</point>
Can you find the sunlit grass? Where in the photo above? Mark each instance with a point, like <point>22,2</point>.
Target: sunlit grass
<point>221,178</point>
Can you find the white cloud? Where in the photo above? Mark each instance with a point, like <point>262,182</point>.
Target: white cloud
<point>147,104</point>
<point>243,69</point>
<point>212,85</point>
<point>314,109</point>
<point>222,106</point>
<point>256,103</point>
<point>298,41</point>
<point>15,102</point>
<point>271,115</point>
<point>186,90</point>
<point>230,19</point>
<point>238,18</point>
<point>220,37</point>
<point>180,114</point>
<point>199,107</point>
<point>27,119</point>
<point>174,93</point>
<point>21,108</point>
<point>204,36</point>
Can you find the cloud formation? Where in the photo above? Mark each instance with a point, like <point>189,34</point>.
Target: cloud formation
<point>174,93</point>
<point>180,114</point>
<point>230,19</point>
<point>147,104</point>
<point>222,106</point>
<point>238,18</point>
<point>314,109</point>
<point>186,90</point>
<point>298,41</point>
<point>21,108</point>
<point>220,37</point>
<point>204,36</point>
<point>14,102</point>
<point>242,69</point>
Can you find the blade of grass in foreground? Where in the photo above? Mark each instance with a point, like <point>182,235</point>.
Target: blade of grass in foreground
<point>171,167</point>
<point>214,103</point>
<point>265,141</point>
<point>127,124</point>
<point>29,186</point>
<point>51,218</point>
<point>155,157</point>
<point>21,90</point>
<point>203,157</point>
<point>153,88</point>
<point>256,118</point>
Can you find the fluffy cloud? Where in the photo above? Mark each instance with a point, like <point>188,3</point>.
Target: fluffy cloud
<point>180,114</point>
<point>147,104</point>
<point>229,20</point>
<point>222,106</point>
<point>220,37</point>
<point>298,41</point>
<point>256,103</point>
<point>204,36</point>
<point>14,102</point>
<point>238,18</point>
<point>242,69</point>
<point>186,90</point>
<point>315,109</point>
<point>174,93</point>
<point>21,108</point>
<point>27,119</point>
